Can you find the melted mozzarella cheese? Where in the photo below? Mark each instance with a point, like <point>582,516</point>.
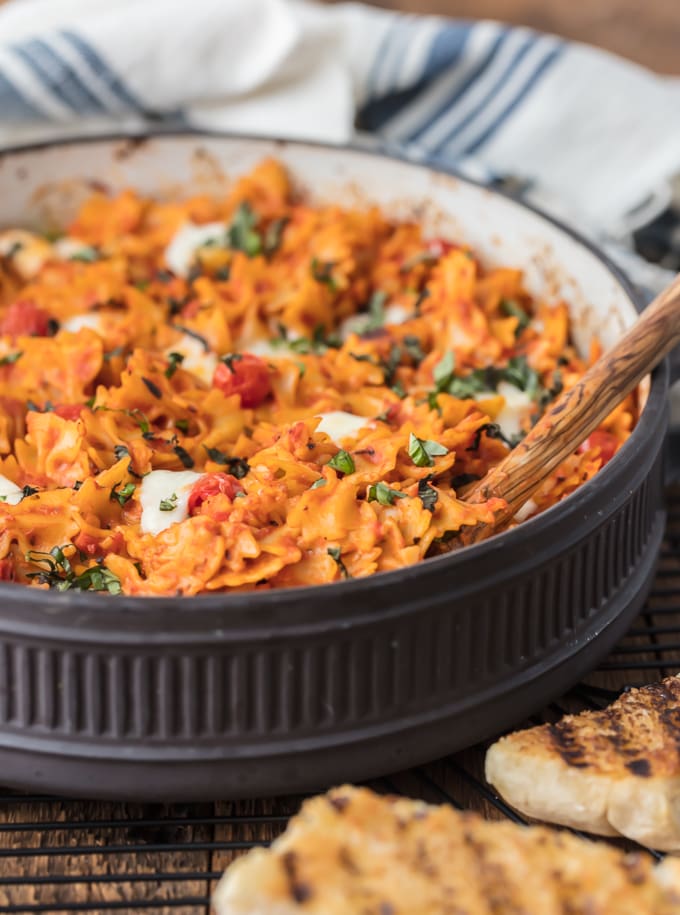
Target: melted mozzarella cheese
<point>396,314</point>
<point>517,403</point>
<point>10,493</point>
<point>339,425</point>
<point>196,360</point>
<point>358,324</point>
<point>67,248</point>
<point>269,349</point>
<point>163,485</point>
<point>28,252</point>
<point>77,322</point>
<point>181,252</point>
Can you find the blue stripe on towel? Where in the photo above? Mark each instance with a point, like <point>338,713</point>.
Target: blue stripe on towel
<point>101,69</point>
<point>502,78</point>
<point>14,106</point>
<point>55,74</point>
<point>526,89</point>
<point>445,52</point>
<point>428,115</point>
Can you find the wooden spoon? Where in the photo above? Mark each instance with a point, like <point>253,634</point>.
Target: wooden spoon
<point>579,411</point>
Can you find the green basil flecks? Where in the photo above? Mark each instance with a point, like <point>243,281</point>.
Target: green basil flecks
<point>184,456</point>
<point>336,555</point>
<point>230,359</point>
<point>422,451</point>
<point>381,492</point>
<point>86,255</point>
<point>242,234</point>
<point>513,310</point>
<point>11,358</point>
<point>427,494</point>
<point>169,504</point>
<point>413,347</point>
<point>238,467</point>
<point>274,235</point>
<point>323,273</point>
<point>152,388</point>
<point>60,574</point>
<point>342,461</point>
<point>174,362</point>
<point>317,484</point>
<point>122,495</point>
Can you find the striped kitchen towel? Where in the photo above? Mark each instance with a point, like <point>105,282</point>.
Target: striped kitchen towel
<point>586,135</point>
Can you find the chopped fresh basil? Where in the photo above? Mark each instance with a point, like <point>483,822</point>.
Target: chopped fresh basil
<point>122,495</point>
<point>192,333</point>
<point>418,306</point>
<point>274,234</point>
<point>427,494</point>
<point>519,373</point>
<point>152,388</point>
<point>28,491</point>
<point>323,273</point>
<point>442,373</point>
<point>184,456</point>
<point>182,425</point>
<point>466,386</point>
<point>376,311</point>
<point>512,309</point>
<point>112,353</point>
<point>381,492</point>
<point>174,362</point>
<point>86,255</point>
<point>342,461</point>
<point>317,484</point>
<point>169,504</point>
<point>60,574</point>
<point>493,430</point>
<point>390,366</point>
<point>11,358</point>
<point>241,234</point>
<point>336,554</point>
<point>422,257</point>
<point>422,451</point>
<point>230,359</point>
<point>413,347</point>
<point>238,467</point>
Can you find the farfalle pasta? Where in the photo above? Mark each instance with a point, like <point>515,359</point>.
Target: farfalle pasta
<point>256,392</point>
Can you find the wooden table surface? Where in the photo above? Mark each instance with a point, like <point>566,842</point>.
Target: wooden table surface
<point>647,31</point>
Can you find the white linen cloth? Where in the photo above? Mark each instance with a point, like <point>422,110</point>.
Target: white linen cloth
<point>594,138</point>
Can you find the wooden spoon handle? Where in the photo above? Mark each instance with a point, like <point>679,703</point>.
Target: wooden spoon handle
<point>579,411</point>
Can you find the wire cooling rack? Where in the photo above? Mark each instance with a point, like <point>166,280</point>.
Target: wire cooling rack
<point>62,856</point>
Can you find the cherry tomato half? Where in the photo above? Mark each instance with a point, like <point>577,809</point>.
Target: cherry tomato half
<point>69,410</point>
<point>211,485</point>
<point>24,318</point>
<point>605,441</point>
<point>438,247</point>
<point>244,374</point>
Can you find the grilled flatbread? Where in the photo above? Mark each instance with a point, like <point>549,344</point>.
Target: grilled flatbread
<point>352,852</point>
<point>611,772</point>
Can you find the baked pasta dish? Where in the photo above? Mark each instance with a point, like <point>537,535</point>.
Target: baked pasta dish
<point>258,392</point>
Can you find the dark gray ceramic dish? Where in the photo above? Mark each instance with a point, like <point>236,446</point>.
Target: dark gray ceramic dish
<point>236,695</point>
